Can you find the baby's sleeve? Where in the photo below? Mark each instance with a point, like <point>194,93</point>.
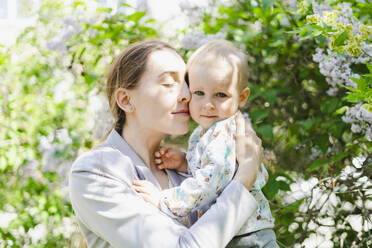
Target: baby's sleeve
<point>262,178</point>
<point>217,167</point>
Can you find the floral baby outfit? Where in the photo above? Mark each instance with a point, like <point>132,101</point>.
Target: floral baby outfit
<point>212,163</point>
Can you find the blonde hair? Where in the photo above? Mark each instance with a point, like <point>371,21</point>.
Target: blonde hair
<point>217,49</point>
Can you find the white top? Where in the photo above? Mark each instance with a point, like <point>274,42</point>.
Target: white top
<point>110,213</point>
<point>211,160</point>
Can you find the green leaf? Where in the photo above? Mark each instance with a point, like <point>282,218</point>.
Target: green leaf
<point>341,110</point>
<point>106,10</point>
<point>307,124</point>
<point>270,189</point>
<point>369,66</point>
<point>270,96</point>
<point>126,5</point>
<point>329,106</point>
<point>136,16</point>
<point>317,164</point>
<point>267,3</point>
<point>322,142</point>
<point>259,114</point>
<point>339,157</point>
<point>90,78</point>
<point>341,39</point>
<point>266,130</point>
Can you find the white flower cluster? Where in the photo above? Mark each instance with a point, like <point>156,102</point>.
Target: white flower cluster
<point>328,202</point>
<point>72,24</point>
<point>61,90</point>
<point>101,118</point>
<point>70,28</point>
<point>355,172</point>
<point>336,69</point>
<point>301,189</point>
<point>194,40</point>
<point>319,8</point>
<point>51,148</point>
<point>360,120</point>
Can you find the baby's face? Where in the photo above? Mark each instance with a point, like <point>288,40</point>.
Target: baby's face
<point>214,92</point>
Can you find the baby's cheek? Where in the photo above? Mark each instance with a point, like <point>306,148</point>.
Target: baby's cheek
<point>228,108</point>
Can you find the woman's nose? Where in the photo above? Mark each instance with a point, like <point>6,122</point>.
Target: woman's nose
<point>184,94</point>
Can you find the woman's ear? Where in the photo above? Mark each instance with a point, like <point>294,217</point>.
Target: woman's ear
<point>244,94</point>
<point>123,100</point>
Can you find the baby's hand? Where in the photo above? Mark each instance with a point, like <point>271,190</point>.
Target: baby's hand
<point>148,191</point>
<point>171,158</point>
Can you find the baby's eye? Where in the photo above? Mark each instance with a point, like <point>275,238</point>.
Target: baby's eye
<point>220,94</point>
<point>199,93</point>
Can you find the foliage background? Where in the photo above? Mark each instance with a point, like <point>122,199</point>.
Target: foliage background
<point>314,119</point>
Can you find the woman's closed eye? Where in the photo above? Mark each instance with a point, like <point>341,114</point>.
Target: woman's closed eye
<point>169,83</point>
<point>198,93</point>
<point>221,94</point>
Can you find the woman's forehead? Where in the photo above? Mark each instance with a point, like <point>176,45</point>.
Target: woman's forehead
<point>165,60</point>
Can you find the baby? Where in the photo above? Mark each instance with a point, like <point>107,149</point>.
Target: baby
<point>217,74</point>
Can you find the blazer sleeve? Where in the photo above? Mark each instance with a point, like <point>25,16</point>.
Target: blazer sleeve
<point>111,209</point>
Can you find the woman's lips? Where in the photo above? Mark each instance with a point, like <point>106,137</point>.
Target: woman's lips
<point>183,112</point>
<point>209,116</point>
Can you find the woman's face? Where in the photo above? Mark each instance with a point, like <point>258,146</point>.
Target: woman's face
<point>161,98</point>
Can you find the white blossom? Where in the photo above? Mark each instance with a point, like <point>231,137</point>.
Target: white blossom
<point>56,44</point>
<point>6,218</point>
<point>361,120</point>
<point>319,8</point>
<point>38,233</point>
<point>358,161</point>
<point>195,40</point>
<point>101,117</point>
<point>62,91</point>
<point>49,146</point>
<point>300,190</point>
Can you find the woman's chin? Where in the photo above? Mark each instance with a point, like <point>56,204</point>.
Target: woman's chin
<point>179,131</point>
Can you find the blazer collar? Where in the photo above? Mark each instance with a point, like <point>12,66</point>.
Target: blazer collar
<point>115,140</point>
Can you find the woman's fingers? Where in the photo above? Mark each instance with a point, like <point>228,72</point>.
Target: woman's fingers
<point>240,125</point>
<point>240,133</point>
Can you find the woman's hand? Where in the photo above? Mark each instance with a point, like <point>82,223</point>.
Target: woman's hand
<point>171,158</point>
<point>148,191</point>
<point>249,152</point>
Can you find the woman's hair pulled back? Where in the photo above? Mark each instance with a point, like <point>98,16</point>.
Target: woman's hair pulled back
<point>126,71</point>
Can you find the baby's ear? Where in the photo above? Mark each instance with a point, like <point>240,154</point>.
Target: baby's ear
<point>244,94</point>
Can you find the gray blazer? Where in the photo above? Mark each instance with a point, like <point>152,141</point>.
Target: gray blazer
<point>111,214</point>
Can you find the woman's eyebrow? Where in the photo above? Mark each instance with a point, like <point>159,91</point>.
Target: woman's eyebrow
<point>172,73</point>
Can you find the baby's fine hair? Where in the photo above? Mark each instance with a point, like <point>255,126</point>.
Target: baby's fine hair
<point>222,49</point>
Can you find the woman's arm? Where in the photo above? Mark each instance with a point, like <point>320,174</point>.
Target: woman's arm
<point>113,211</point>
<point>104,201</point>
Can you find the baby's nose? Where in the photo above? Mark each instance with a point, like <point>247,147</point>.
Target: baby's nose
<point>209,105</point>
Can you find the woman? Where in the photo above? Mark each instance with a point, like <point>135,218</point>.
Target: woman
<point>149,99</point>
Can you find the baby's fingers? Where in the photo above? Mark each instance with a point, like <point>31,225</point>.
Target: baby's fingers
<point>158,161</point>
<point>157,154</point>
<point>163,150</point>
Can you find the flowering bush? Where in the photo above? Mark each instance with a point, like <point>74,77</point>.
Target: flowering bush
<point>51,81</point>
<point>310,103</point>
